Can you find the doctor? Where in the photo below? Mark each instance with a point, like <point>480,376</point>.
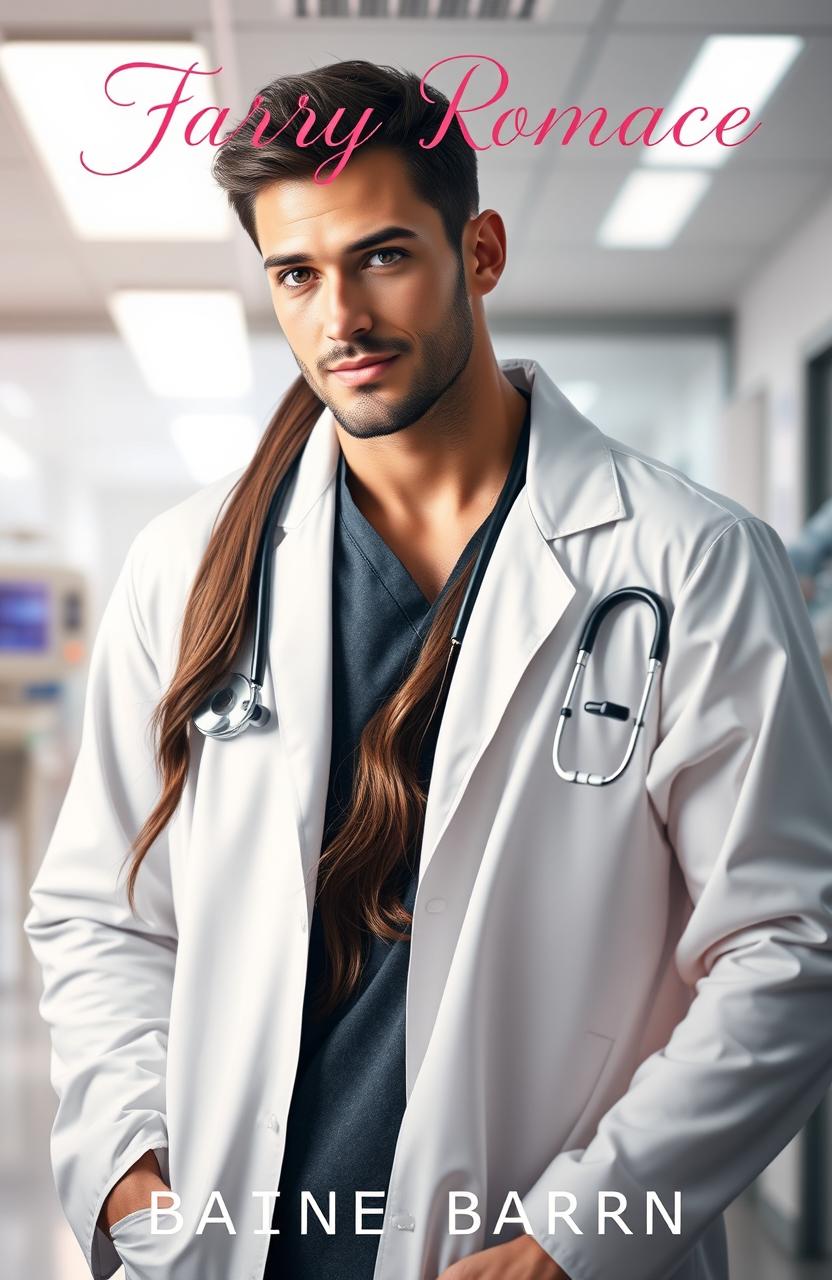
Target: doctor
<point>380,948</point>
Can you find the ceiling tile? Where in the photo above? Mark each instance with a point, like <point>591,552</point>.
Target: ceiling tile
<point>160,266</point>
<point>572,205</point>
<point>780,15</point>
<point>502,188</point>
<point>537,61</point>
<point>753,208</point>
<point>44,281</point>
<point>14,144</point>
<point>94,17</point>
<point>28,210</point>
<point>634,70</point>
<point>795,127</point>
<point>546,280</point>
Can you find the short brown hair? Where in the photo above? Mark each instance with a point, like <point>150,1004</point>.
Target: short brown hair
<point>444,176</point>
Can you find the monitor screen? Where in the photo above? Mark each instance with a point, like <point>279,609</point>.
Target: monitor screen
<point>24,617</point>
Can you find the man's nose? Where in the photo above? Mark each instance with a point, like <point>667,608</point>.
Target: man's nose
<point>346,310</point>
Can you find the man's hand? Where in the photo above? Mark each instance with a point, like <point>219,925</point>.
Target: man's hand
<point>520,1259</point>
<point>132,1191</point>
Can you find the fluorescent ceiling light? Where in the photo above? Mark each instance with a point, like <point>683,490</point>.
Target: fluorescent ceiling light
<point>214,444</point>
<point>728,72</point>
<point>15,462</point>
<point>15,400</point>
<point>651,208</point>
<point>58,89</point>
<point>186,342</point>
<point>583,395</point>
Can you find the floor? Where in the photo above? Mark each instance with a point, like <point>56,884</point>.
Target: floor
<point>37,1244</point>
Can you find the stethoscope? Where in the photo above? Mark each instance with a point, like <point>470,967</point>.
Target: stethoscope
<point>614,710</point>
<point>236,704</point>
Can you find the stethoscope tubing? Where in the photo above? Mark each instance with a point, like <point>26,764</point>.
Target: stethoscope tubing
<point>263,578</point>
<point>655,659</point>
<point>592,625</point>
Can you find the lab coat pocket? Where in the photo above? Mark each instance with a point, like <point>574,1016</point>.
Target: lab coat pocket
<point>590,1064</point>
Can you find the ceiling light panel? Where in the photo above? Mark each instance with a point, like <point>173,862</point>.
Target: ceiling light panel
<point>728,72</point>
<point>186,342</point>
<point>170,195</point>
<point>651,208</point>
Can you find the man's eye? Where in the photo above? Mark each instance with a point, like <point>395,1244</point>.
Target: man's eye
<point>284,277</point>
<point>396,251</point>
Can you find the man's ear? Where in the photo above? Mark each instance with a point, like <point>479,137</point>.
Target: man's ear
<point>486,234</point>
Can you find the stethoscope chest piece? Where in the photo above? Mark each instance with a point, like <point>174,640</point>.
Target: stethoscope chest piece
<point>230,709</point>
<point>608,709</point>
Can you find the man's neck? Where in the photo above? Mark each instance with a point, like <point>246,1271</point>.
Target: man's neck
<point>427,496</point>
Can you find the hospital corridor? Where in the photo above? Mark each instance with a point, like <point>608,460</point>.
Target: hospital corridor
<point>679,299</point>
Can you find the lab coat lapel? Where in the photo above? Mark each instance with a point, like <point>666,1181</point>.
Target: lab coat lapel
<point>523,595</point>
<point>571,486</point>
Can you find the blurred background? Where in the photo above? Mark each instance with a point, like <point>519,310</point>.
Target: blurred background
<point>682,300</point>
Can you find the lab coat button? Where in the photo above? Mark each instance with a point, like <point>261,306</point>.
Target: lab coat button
<point>403,1222</point>
<point>273,1123</point>
<point>435,904</point>
<point>303,923</point>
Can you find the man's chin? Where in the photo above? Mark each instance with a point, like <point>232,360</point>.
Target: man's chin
<point>364,419</point>
<point>367,430</point>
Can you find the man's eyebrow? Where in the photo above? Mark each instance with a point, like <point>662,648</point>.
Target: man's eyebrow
<point>366,242</point>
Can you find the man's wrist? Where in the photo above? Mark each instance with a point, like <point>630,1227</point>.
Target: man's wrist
<point>132,1191</point>
<point>537,1254</point>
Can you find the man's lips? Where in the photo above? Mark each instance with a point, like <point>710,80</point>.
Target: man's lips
<point>365,372</point>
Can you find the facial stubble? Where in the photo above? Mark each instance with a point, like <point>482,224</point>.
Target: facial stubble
<point>445,353</point>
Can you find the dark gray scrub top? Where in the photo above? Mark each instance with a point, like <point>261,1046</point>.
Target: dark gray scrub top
<point>349,1095</point>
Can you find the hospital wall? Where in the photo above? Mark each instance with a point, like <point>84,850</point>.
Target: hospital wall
<point>783,317</point>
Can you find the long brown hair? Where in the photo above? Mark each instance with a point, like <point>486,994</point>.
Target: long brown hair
<point>359,873</point>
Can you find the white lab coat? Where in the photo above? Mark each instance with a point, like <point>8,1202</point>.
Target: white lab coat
<point>610,990</point>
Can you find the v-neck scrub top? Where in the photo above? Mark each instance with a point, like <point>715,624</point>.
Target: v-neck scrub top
<point>349,1094</point>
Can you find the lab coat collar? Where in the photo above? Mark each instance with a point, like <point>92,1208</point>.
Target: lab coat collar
<point>571,480</point>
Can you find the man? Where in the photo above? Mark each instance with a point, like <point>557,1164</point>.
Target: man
<point>610,999</point>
